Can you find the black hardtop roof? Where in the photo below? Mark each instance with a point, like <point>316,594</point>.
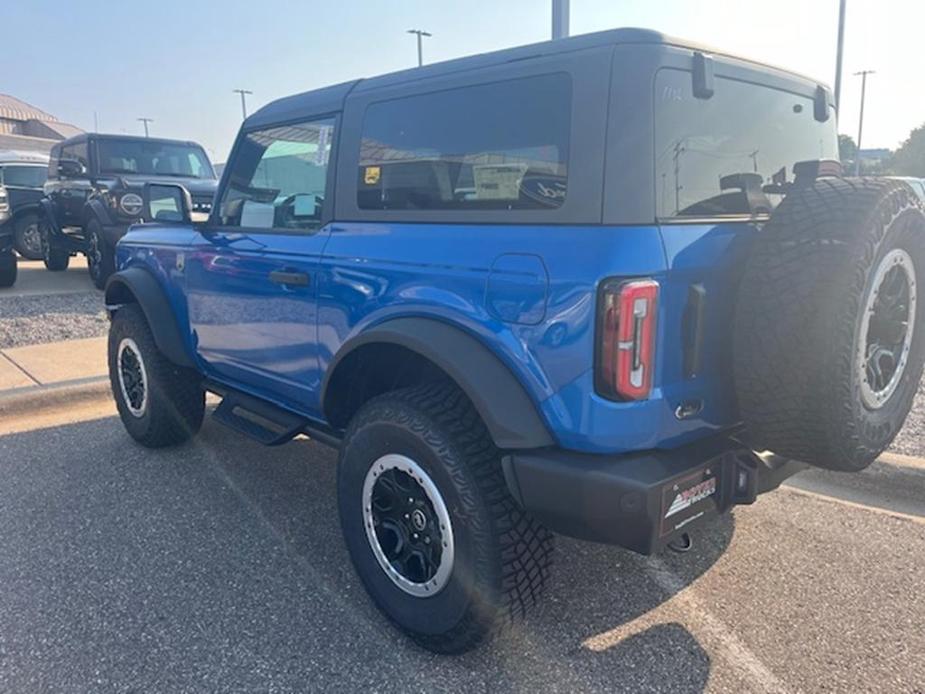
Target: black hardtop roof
<point>134,138</point>
<point>331,99</point>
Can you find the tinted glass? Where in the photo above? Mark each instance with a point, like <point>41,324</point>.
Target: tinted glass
<point>25,176</point>
<point>153,158</point>
<point>279,176</point>
<point>77,152</point>
<point>731,154</point>
<point>492,146</point>
<point>165,204</point>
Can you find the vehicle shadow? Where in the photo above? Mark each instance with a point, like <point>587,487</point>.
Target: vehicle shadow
<point>223,560</point>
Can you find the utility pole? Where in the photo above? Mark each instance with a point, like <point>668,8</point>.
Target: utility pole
<point>857,158</point>
<point>839,53</point>
<point>146,121</point>
<point>420,33</point>
<point>560,12</point>
<point>243,92</point>
<point>96,123</point>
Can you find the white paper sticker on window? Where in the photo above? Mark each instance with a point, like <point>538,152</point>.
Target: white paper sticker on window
<point>258,215</point>
<point>498,181</point>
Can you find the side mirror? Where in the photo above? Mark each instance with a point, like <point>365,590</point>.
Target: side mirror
<point>167,202</point>
<point>70,168</point>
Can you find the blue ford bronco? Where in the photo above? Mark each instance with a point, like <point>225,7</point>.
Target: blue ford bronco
<point>609,286</point>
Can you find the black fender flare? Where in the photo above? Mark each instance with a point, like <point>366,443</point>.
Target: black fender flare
<point>95,208</point>
<point>137,285</point>
<point>29,208</point>
<point>48,215</point>
<point>500,399</point>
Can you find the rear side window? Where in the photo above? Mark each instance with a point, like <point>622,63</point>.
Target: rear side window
<point>731,154</point>
<point>499,146</point>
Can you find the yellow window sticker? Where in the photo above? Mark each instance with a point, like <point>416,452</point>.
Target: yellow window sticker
<point>371,175</point>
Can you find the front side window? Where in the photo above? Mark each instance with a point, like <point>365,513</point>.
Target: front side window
<point>731,154</point>
<point>23,176</point>
<point>153,158</point>
<point>279,176</point>
<point>499,146</point>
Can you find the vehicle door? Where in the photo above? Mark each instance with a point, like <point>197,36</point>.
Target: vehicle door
<point>251,273</point>
<point>71,190</point>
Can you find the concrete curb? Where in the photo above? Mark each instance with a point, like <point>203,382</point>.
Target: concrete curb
<point>900,460</point>
<point>20,401</point>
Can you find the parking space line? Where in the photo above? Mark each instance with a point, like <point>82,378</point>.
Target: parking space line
<point>685,607</point>
<point>733,650</point>
<point>854,504</point>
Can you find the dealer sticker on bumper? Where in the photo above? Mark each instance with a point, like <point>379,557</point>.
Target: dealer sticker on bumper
<point>682,500</point>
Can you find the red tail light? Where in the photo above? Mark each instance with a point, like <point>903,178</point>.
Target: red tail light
<point>626,333</point>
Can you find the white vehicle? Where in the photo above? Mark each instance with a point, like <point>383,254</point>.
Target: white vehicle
<point>22,176</point>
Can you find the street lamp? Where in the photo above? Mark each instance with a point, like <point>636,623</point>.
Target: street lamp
<point>838,53</point>
<point>560,13</point>
<point>420,33</point>
<point>857,158</point>
<point>243,92</point>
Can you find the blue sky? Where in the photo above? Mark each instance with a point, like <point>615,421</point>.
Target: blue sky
<point>177,62</point>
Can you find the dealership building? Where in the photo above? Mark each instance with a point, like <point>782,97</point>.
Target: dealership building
<point>25,128</point>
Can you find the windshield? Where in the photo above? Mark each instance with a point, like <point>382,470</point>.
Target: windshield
<point>733,153</point>
<point>25,176</point>
<point>153,159</point>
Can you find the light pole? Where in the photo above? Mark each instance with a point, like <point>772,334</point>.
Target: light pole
<point>857,158</point>
<point>839,52</point>
<point>420,33</point>
<point>243,92</point>
<point>146,121</point>
<point>560,12</point>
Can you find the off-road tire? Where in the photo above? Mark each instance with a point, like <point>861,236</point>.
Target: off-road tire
<point>22,226</point>
<point>103,266</point>
<point>502,555</point>
<point>8,269</point>
<point>799,316</point>
<point>56,260</point>
<point>175,399</point>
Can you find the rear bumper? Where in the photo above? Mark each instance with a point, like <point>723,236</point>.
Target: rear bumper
<point>640,501</point>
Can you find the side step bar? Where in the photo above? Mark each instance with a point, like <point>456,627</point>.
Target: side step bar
<point>265,422</point>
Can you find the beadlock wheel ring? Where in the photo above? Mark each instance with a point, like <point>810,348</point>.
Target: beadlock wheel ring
<point>887,329</point>
<point>133,377</point>
<point>407,522</point>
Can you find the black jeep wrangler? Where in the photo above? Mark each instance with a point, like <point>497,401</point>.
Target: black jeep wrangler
<point>94,193</point>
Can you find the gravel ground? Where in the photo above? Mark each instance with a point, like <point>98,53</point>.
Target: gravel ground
<point>32,320</point>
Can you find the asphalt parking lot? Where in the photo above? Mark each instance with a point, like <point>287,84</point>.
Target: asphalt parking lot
<point>219,566</point>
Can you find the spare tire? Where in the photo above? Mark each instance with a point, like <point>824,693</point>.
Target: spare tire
<point>829,338</point>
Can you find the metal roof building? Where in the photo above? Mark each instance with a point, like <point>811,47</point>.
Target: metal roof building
<point>27,128</point>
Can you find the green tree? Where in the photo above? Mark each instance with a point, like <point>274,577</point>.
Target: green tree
<point>909,159</point>
<point>847,148</point>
